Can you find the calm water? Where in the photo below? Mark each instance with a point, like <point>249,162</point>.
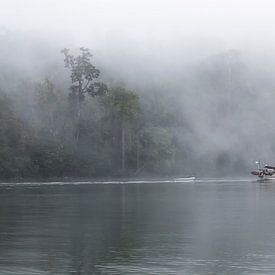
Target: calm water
<point>205,227</point>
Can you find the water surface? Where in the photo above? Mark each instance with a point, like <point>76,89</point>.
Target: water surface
<point>204,227</point>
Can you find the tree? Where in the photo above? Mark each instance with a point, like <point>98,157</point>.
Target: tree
<point>158,149</point>
<point>83,77</point>
<point>123,106</point>
<point>13,161</point>
<point>48,109</point>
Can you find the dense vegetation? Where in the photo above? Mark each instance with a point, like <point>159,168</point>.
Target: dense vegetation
<point>130,113</point>
<point>88,130</point>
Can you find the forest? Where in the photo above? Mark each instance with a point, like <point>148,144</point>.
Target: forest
<point>71,114</point>
<point>87,130</point>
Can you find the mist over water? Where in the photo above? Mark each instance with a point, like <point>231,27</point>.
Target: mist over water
<point>128,130</point>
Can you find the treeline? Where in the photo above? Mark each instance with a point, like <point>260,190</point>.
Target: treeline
<point>132,115</point>
<point>89,130</point>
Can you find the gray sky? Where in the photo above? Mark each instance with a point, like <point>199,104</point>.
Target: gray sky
<point>241,23</point>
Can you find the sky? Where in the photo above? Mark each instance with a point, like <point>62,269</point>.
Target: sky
<point>242,23</point>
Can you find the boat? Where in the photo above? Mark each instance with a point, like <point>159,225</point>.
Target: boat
<point>184,179</point>
<point>265,173</point>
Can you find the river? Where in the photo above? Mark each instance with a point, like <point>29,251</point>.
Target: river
<point>200,227</point>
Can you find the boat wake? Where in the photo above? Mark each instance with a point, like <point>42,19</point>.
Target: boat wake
<point>132,181</point>
<point>175,180</point>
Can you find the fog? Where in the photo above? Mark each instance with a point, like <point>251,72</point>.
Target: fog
<point>211,62</point>
<point>234,22</point>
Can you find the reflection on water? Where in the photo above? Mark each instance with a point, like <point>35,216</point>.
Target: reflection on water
<point>167,228</point>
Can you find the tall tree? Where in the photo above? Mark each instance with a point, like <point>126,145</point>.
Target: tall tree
<point>12,158</point>
<point>123,106</point>
<point>83,77</point>
<point>48,105</point>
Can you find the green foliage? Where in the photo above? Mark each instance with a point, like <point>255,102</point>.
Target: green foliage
<point>118,133</point>
<point>122,108</point>
<point>12,162</point>
<point>122,104</point>
<point>83,75</point>
<point>157,149</point>
<point>50,109</point>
